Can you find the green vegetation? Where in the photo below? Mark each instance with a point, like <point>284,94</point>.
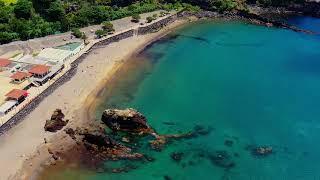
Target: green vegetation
<point>100,33</point>
<point>77,33</point>
<point>107,26</point>
<point>26,19</point>
<point>149,19</point>
<point>155,16</point>
<point>9,1</point>
<point>135,18</point>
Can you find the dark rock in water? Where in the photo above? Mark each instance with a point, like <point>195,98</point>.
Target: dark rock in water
<point>166,177</point>
<point>262,151</point>
<point>228,143</point>
<point>169,123</point>
<point>191,163</point>
<point>104,147</point>
<point>162,140</point>
<point>99,139</point>
<point>222,159</point>
<point>149,158</point>
<point>56,122</point>
<point>128,120</point>
<point>236,155</point>
<point>176,156</point>
<point>200,130</point>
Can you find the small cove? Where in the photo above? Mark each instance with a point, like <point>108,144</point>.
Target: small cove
<point>251,85</point>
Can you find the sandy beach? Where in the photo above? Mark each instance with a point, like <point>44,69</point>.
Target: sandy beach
<point>23,149</point>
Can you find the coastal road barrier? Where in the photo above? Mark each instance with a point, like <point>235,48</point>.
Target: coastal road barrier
<point>40,93</point>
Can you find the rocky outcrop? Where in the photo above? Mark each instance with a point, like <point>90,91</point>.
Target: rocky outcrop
<point>56,122</point>
<point>262,151</point>
<point>306,8</point>
<point>261,20</point>
<point>128,120</point>
<point>132,121</point>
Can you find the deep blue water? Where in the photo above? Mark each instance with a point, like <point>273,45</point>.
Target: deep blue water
<point>251,84</point>
<point>309,23</point>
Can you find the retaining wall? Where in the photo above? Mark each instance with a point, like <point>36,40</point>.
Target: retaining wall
<point>154,27</point>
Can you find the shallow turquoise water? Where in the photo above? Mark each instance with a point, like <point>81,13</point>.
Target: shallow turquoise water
<point>253,85</point>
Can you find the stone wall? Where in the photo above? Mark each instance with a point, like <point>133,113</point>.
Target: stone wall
<point>115,38</point>
<point>154,27</point>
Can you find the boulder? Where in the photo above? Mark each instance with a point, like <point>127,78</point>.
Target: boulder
<point>222,159</point>
<point>56,122</point>
<point>99,139</point>
<point>262,151</point>
<point>128,120</point>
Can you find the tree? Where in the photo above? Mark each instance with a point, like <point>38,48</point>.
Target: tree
<point>6,37</point>
<point>107,26</point>
<point>76,32</point>
<point>23,9</point>
<point>56,11</point>
<point>136,18</point>
<point>100,33</point>
<point>4,14</point>
<point>149,19</point>
<point>155,16</point>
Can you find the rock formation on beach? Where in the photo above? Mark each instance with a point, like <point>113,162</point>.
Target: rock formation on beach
<point>130,131</point>
<point>132,121</point>
<point>128,120</point>
<point>56,121</point>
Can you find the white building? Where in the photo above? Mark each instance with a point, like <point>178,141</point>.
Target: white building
<point>54,55</point>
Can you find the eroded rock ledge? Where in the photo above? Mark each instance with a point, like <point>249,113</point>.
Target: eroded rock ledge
<point>129,130</point>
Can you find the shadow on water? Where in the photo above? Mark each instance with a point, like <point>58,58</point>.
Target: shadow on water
<point>309,65</point>
<point>239,44</point>
<point>198,38</point>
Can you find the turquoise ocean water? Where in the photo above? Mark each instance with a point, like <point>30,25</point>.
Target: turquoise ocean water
<point>252,85</point>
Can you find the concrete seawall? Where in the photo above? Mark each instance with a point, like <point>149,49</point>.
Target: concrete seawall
<point>157,25</point>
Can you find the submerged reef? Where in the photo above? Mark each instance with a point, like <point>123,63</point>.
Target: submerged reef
<point>260,151</point>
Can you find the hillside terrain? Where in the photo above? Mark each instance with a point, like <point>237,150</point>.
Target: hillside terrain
<point>27,19</point>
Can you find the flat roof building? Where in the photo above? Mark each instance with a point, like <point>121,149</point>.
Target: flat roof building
<point>7,106</point>
<point>55,55</point>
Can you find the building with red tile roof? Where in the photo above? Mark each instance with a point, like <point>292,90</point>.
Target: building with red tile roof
<point>20,76</point>
<point>17,94</point>
<point>4,63</point>
<point>39,70</point>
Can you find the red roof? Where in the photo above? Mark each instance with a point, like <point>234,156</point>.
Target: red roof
<point>20,75</point>
<point>17,94</point>
<point>4,62</point>
<point>39,69</point>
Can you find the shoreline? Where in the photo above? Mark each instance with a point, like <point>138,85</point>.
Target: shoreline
<point>83,113</point>
<point>79,109</point>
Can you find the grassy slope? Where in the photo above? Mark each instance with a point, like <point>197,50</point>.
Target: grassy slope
<point>9,1</point>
